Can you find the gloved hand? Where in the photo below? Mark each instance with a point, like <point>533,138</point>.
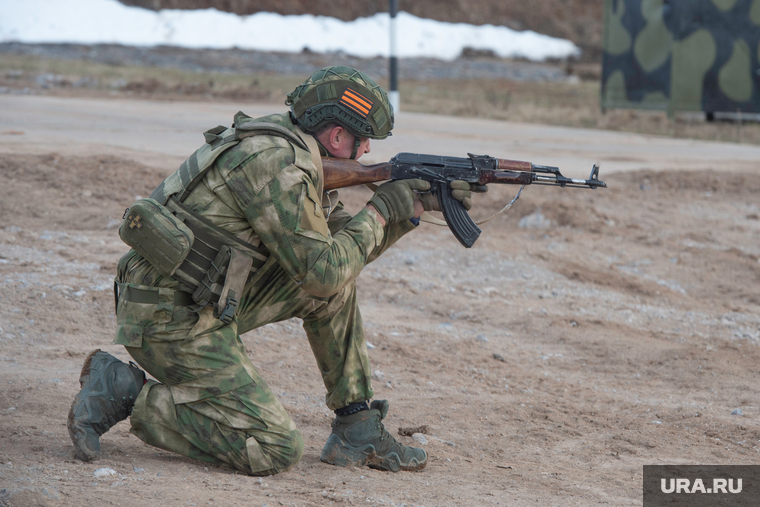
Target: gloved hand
<point>394,200</point>
<point>460,190</point>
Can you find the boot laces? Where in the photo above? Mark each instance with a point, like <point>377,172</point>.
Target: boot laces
<point>383,432</point>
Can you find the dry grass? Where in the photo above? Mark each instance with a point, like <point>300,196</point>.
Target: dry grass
<point>79,77</point>
<point>567,104</point>
<point>554,103</point>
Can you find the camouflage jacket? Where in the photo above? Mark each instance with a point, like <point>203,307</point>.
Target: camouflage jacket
<point>265,192</point>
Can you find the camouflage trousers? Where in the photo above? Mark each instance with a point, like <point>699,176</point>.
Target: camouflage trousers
<point>210,403</point>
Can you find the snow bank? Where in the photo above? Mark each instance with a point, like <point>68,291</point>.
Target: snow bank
<point>108,21</point>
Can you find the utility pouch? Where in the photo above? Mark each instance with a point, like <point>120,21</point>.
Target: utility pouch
<point>237,274</point>
<point>156,234</point>
<point>224,281</point>
<point>210,288</point>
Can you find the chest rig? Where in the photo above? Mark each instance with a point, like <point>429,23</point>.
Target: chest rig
<point>210,262</point>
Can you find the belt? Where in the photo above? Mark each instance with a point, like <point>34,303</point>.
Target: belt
<point>147,296</point>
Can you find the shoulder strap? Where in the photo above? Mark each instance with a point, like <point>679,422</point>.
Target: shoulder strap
<point>264,128</point>
<point>316,158</point>
<point>218,140</point>
<point>183,180</point>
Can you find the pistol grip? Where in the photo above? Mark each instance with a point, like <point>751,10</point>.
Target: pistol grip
<point>456,216</point>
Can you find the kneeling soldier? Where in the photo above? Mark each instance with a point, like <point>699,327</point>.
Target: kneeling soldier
<point>243,235</point>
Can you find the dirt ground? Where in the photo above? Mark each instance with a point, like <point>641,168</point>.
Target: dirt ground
<point>585,335</point>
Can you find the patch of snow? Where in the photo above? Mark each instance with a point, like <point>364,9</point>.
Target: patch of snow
<point>110,22</point>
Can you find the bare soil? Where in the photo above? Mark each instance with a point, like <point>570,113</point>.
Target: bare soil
<point>585,335</point>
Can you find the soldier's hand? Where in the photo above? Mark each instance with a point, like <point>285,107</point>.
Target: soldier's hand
<point>394,200</point>
<point>460,190</point>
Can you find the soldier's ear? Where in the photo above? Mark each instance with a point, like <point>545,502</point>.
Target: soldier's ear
<point>337,137</point>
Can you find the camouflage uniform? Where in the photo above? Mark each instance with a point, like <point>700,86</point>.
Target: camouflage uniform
<point>211,404</point>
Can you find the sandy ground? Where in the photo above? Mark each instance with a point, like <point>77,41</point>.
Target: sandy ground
<point>585,335</point>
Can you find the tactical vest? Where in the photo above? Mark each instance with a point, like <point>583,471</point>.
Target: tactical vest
<point>212,263</point>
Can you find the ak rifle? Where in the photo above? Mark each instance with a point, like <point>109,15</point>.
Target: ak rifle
<point>441,170</point>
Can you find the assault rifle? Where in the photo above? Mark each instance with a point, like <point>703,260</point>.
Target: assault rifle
<point>440,171</point>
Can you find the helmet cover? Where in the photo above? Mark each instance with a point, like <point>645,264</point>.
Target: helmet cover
<point>345,96</point>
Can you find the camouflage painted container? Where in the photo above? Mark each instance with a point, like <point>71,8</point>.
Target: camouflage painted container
<point>682,55</point>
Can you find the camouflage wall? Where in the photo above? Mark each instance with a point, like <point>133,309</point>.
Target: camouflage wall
<point>682,55</point>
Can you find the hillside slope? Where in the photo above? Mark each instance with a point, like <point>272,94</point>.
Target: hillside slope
<point>577,20</point>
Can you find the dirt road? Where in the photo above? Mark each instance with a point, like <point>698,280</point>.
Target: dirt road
<point>149,130</point>
<point>585,335</point>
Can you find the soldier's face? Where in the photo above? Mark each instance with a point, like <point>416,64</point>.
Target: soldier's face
<point>363,147</point>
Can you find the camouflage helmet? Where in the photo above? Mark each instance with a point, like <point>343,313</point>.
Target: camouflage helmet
<point>345,96</point>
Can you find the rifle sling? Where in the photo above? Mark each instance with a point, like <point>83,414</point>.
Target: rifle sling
<point>427,217</point>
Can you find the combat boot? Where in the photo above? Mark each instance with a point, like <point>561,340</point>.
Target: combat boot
<point>109,388</point>
<point>361,439</point>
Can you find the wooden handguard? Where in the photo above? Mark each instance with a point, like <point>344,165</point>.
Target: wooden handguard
<point>508,176</point>
<point>514,165</point>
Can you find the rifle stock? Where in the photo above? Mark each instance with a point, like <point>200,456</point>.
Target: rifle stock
<point>341,173</point>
